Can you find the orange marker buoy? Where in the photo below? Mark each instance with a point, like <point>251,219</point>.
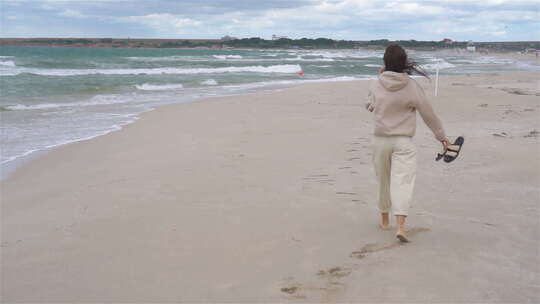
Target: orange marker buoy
<point>301,73</point>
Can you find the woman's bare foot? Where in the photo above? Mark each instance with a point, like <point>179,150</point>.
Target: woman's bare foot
<point>400,234</point>
<point>385,221</point>
<point>402,237</point>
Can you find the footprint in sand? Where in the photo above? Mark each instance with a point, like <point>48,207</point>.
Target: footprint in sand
<point>315,176</point>
<point>296,290</point>
<point>517,91</point>
<point>482,223</point>
<point>334,272</point>
<point>293,291</point>
<point>532,133</point>
<point>359,201</point>
<point>290,289</point>
<point>349,193</point>
<point>376,247</point>
<point>321,178</point>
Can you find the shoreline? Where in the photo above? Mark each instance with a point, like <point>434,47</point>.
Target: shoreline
<point>270,197</point>
<point>9,166</point>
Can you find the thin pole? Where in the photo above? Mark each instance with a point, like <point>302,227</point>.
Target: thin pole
<point>437,81</point>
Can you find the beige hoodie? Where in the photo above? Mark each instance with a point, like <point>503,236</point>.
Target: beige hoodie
<point>394,99</point>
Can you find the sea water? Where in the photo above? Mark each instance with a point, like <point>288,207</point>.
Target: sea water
<point>51,96</point>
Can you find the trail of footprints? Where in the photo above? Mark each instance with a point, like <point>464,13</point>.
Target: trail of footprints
<point>331,278</point>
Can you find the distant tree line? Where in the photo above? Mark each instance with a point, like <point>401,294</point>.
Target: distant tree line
<point>58,41</point>
<point>256,42</point>
<point>325,43</point>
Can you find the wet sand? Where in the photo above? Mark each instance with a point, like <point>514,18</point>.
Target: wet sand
<point>270,197</point>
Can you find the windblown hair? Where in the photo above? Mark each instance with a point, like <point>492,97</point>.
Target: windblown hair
<point>395,60</point>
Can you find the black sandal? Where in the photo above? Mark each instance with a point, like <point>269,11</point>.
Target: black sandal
<point>452,151</point>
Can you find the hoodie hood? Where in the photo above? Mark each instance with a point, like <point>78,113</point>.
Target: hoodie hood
<point>393,81</point>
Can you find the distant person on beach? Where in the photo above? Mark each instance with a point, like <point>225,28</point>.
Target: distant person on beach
<point>394,99</point>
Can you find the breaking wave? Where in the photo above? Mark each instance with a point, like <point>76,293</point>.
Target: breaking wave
<point>282,68</point>
<point>159,87</point>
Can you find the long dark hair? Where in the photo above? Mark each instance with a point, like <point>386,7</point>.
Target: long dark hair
<point>395,60</point>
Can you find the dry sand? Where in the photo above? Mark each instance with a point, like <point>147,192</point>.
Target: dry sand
<point>271,197</point>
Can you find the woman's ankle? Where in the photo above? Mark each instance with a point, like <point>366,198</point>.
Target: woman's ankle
<point>385,219</point>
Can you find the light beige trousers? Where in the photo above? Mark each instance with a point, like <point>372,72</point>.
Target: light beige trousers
<point>394,159</point>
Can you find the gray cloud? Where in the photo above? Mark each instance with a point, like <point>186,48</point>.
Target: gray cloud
<point>342,19</point>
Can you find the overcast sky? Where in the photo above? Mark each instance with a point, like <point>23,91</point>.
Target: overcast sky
<point>486,20</point>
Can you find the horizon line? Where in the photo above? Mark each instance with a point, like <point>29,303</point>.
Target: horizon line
<point>220,39</point>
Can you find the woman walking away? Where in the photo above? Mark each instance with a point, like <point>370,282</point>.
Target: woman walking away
<point>394,99</point>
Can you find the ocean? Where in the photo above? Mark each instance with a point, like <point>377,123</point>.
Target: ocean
<point>51,96</point>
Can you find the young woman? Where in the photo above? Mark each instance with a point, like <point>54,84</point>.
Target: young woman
<point>394,99</point>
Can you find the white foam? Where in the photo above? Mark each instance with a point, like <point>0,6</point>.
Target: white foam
<point>486,60</point>
<point>159,87</point>
<point>373,65</point>
<point>298,81</point>
<point>112,128</point>
<point>439,64</point>
<point>282,68</point>
<point>343,54</point>
<point>94,101</point>
<point>210,82</point>
<point>224,57</point>
<point>9,72</point>
<point>8,63</point>
<point>167,58</point>
<point>299,58</point>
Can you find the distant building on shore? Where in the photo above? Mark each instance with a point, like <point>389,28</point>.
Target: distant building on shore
<point>447,41</point>
<point>276,37</point>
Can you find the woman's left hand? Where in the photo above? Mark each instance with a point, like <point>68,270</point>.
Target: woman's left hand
<point>369,107</point>
<point>445,142</point>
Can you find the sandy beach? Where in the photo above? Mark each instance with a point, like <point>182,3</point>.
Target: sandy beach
<point>270,197</point>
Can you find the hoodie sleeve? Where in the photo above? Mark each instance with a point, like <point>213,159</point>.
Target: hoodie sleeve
<point>428,115</point>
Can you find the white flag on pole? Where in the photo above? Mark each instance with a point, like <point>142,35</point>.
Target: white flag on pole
<point>437,80</point>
